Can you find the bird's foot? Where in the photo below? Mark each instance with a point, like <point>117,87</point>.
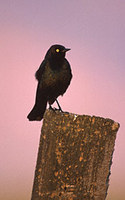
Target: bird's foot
<point>58,109</point>
<point>51,108</point>
<point>55,109</point>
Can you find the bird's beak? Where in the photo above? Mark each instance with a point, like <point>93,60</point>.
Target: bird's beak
<point>65,50</point>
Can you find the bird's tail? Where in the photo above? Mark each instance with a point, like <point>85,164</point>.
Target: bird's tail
<point>37,112</point>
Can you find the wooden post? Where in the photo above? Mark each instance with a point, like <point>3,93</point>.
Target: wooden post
<point>74,158</point>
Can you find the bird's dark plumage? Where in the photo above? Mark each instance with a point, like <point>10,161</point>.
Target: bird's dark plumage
<point>54,76</point>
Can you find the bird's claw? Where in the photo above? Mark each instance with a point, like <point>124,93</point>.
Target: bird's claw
<point>58,109</point>
<point>55,109</point>
<point>51,108</point>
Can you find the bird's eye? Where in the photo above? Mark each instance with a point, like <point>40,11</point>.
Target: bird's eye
<point>57,50</point>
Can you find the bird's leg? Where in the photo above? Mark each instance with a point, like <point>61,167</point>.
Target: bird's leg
<point>59,106</point>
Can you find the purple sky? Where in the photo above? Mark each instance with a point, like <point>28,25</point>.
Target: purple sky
<point>95,32</point>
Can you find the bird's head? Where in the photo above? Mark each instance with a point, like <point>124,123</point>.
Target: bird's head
<point>56,51</point>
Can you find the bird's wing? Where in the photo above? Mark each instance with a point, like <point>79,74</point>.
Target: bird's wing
<point>40,71</point>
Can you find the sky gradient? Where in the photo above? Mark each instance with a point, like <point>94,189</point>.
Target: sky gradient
<point>95,32</point>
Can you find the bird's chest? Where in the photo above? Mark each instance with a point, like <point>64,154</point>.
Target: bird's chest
<point>54,78</point>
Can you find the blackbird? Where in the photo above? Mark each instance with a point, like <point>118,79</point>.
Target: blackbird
<point>54,76</point>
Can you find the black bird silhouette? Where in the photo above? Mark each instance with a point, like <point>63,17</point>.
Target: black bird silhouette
<point>54,76</point>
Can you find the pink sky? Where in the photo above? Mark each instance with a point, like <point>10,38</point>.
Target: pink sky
<point>94,30</point>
